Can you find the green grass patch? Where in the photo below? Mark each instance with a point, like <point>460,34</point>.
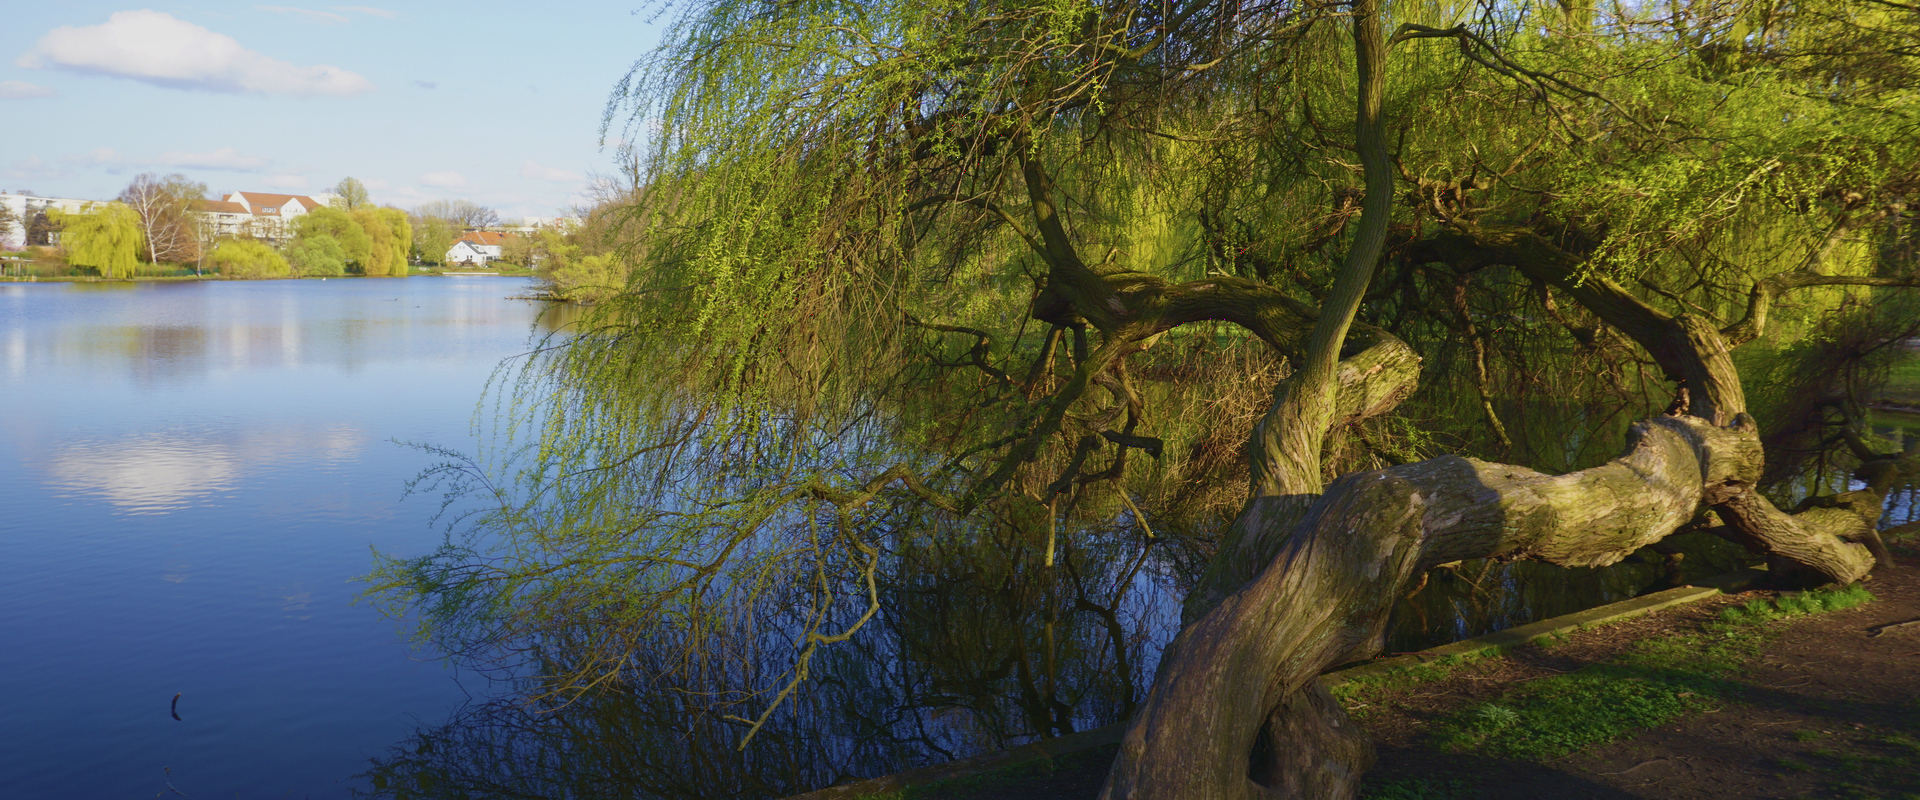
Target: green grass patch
<point>1791,605</point>
<point>1365,688</point>
<point>1872,766</point>
<point>1654,682</point>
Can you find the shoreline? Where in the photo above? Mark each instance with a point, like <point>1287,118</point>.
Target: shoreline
<point>195,278</point>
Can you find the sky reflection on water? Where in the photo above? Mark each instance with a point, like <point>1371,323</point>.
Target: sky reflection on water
<point>193,476</point>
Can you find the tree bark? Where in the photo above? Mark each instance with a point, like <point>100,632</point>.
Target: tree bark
<point>1325,597</point>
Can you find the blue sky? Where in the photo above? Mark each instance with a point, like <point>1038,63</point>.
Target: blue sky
<point>495,103</point>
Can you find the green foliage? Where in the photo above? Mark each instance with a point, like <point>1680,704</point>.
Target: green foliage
<point>1658,680</point>
<point>390,237</point>
<point>246,258</point>
<point>1903,380</point>
<point>343,228</point>
<point>571,273</point>
<point>317,255</point>
<point>351,195</point>
<point>851,209</point>
<point>432,237</point>
<point>105,237</point>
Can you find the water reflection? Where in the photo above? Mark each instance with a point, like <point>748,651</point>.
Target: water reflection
<point>980,648</point>
<point>155,473</point>
<point>1901,431</point>
<point>193,474</point>
<point>180,333</point>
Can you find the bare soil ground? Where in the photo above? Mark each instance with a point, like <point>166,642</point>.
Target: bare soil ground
<point>1828,710</point>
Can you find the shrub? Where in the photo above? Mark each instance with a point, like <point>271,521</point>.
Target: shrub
<point>241,258</point>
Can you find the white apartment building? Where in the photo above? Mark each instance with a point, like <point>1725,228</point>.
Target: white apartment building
<point>258,214</point>
<point>13,235</point>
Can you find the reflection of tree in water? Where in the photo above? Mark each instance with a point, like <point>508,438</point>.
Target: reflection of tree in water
<point>977,644</point>
<point>980,647</point>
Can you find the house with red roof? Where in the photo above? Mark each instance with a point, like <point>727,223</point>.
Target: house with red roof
<point>223,218</point>
<point>266,216</point>
<point>476,248</point>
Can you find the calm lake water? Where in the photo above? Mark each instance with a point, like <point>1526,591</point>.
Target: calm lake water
<point>193,476</point>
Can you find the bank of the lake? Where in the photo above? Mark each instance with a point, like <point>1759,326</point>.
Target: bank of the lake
<point>418,272</point>
<point>195,472</point>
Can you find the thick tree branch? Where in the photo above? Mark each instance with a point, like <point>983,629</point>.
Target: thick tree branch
<point>1765,291</point>
<point>1325,597</point>
<point>1690,350</point>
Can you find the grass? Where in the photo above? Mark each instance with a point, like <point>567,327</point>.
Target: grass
<point>1357,691</point>
<point>1655,682</point>
<point>1877,766</point>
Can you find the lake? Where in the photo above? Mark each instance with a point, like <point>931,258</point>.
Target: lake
<point>194,474</point>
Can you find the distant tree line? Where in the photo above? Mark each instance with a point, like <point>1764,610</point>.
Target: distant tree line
<point>155,222</point>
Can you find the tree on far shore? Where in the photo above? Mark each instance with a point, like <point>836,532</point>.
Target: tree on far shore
<point>165,208</point>
<point>8,221</point>
<point>104,237</point>
<point>317,256</point>
<point>462,213</point>
<point>391,236</point>
<point>348,237</point>
<point>351,195</point>
<point>432,237</point>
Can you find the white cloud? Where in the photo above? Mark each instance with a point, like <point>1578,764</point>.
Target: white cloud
<point>374,184</point>
<point>225,158</point>
<point>444,180</point>
<point>531,169</point>
<point>285,181</point>
<point>371,12</point>
<point>156,48</point>
<point>322,17</point>
<point>21,90</point>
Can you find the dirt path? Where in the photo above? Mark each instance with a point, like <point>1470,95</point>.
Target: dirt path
<point>1825,710</point>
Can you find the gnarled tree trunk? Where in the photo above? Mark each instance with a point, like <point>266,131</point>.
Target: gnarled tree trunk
<point>1305,580</point>
<point>1227,717</point>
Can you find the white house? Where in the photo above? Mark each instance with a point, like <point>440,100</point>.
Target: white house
<point>24,206</point>
<point>269,216</point>
<point>476,248</point>
<point>224,218</point>
<point>255,214</point>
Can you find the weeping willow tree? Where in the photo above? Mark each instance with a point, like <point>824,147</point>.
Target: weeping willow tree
<point>977,272</point>
<point>105,237</point>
